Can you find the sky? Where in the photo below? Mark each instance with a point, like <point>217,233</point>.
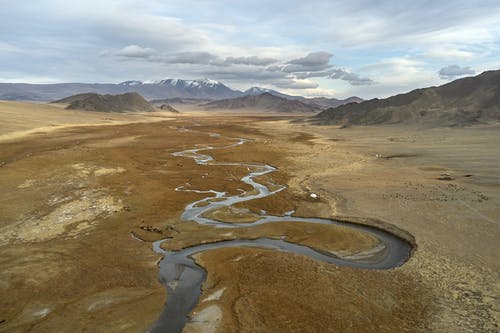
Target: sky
<point>311,48</point>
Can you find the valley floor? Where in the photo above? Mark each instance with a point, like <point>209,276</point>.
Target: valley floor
<point>73,197</point>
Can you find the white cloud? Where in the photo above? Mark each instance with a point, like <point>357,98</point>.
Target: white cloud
<point>454,71</point>
<point>252,60</point>
<point>8,47</point>
<point>295,84</point>
<point>352,78</point>
<point>313,59</point>
<point>449,52</point>
<point>401,70</point>
<point>135,51</point>
<point>399,45</point>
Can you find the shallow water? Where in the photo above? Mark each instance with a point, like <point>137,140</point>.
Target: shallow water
<point>183,278</point>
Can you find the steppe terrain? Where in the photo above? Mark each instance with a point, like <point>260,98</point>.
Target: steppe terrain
<point>84,194</point>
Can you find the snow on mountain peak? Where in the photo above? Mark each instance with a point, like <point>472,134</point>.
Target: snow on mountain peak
<point>189,83</point>
<point>257,91</point>
<point>209,82</point>
<point>131,83</point>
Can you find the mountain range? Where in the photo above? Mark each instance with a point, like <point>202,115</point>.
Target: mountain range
<point>465,101</point>
<point>320,102</point>
<point>163,90</point>
<point>262,102</point>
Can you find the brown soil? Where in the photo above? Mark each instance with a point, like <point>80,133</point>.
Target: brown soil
<point>72,197</point>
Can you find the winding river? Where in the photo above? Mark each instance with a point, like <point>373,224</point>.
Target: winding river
<point>183,277</point>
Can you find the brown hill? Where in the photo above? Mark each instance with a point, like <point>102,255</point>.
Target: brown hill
<point>128,102</point>
<point>166,107</point>
<point>459,103</point>
<point>326,103</point>
<point>265,101</point>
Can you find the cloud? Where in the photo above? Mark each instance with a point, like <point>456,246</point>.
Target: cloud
<point>321,73</point>
<point>317,64</point>
<point>274,68</point>
<point>7,47</point>
<point>352,78</point>
<point>313,59</point>
<point>135,51</point>
<point>451,53</point>
<point>295,84</point>
<point>252,60</point>
<point>312,62</point>
<point>241,73</point>
<point>394,75</point>
<point>193,58</point>
<point>296,68</point>
<point>336,74</point>
<point>453,71</point>
<point>239,40</point>
<point>293,74</point>
<point>188,57</point>
<point>398,71</point>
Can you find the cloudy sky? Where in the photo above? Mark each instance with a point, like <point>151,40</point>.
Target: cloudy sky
<point>331,48</point>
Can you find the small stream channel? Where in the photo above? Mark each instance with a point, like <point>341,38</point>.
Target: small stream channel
<point>183,277</point>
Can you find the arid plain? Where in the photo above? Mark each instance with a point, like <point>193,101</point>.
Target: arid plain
<point>84,195</point>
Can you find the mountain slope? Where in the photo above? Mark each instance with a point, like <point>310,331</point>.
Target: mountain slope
<point>322,102</point>
<point>325,103</point>
<point>166,107</point>
<point>265,101</point>
<point>128,102</point>
<point>259,91</point>
<point>461,102</point>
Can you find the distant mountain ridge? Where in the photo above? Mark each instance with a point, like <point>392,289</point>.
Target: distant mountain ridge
<point>170,88</point>
<point>188,90</point>
<point>128,102</point>
<point>321,102</point>
<point>262,102</point>
<point>461,102</point>
<point>325,103</point>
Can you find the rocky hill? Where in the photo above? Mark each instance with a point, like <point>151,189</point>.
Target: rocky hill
<point>128,102</point>
<point>326,103</point>
<point>461,102</point>
<point>166,107</point>
<point>262,102</point>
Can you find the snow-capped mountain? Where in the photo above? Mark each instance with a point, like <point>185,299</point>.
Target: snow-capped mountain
<point>177,83</point>
<point>204,83</point>
<point>162,89</point>
<point>203,89</point>
<point>179,88</point>
<point>258,91</point>
<point>131,83</point>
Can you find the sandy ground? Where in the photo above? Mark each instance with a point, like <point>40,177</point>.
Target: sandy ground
<point>73,196</point>
<point>18,119</point>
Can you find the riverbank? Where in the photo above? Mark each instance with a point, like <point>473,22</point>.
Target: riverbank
<point>183,278</point>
